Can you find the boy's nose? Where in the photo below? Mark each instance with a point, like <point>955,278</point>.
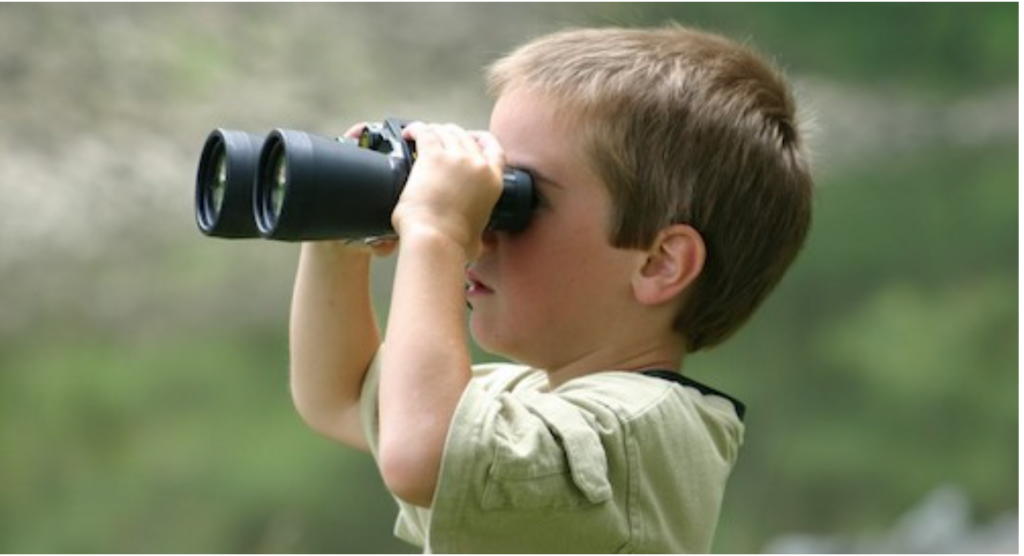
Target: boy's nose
<point>489,239</point>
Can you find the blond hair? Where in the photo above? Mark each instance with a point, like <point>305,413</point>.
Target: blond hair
<point>684,127</point>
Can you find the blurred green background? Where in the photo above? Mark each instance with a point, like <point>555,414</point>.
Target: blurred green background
<point>144,404</point>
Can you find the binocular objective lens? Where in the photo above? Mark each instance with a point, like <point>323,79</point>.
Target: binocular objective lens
<point>220,184</point>
<point>280,185</point>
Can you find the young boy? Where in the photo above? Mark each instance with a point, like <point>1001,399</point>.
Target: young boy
<point>674,192</point>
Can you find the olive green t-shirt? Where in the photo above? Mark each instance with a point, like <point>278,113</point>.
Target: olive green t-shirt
<point>609,462</point>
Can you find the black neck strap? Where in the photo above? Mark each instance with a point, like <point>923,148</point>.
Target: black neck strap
<point>673,376</point>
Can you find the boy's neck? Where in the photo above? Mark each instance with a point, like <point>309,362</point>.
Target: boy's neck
<point>660,359</point>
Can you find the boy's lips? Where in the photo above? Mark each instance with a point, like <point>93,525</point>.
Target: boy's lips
<point>475,285</point>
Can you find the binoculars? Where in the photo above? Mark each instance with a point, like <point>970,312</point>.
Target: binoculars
<point>295,186</point>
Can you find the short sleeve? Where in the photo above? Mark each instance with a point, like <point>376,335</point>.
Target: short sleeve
<point>369,418</point>
<point>546,453</point>
<point>527,471</point>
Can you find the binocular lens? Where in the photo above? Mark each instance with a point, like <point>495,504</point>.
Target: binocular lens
<point>211,187</point>
<point>215,197</point>
<point>279,187</point>
<point>224,184</point>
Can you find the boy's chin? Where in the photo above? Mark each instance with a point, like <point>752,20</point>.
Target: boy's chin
<point>484,337</point>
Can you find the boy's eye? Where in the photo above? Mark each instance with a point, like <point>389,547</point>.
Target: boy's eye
<point>539,199</point>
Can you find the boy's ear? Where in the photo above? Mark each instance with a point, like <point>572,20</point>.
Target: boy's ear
<point>673,262</point>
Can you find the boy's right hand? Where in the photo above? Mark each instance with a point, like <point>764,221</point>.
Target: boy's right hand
<point>453,187</point>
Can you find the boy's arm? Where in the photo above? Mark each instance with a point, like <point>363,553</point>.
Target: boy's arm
<point>426,363</point>
<point>333,338</point>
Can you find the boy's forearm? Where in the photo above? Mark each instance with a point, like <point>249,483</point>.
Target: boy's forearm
<point>333,337</point>
<point>426,363</point>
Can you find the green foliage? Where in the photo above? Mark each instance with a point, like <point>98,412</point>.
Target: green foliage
<point>186,444</point>
<point>949,48</point>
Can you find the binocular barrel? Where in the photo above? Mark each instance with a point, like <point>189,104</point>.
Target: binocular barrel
<point>296,186</point>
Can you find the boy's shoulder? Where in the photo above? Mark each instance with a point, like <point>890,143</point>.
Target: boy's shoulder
<point>628,394</point>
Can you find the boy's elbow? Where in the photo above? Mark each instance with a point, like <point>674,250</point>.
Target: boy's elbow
<point>311,413</point>
<point>312,419</point>
<point>338,423</point>
<point>409,476</point>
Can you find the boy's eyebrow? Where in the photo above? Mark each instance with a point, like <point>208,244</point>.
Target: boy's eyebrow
<point>537,175</point>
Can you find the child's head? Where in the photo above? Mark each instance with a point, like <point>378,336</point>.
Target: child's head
<point>683,127</point>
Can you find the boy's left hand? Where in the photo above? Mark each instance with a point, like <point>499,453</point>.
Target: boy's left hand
<point>453,186</point>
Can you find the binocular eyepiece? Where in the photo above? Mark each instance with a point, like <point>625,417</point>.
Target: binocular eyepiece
<point>296,186</point>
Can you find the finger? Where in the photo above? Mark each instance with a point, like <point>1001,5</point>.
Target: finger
<point>449,136</point>
<point>355,131</point>
<point>426,136</point>
<point>381,246</point>
<point>413,130</point>
<point>490,147</point>
<point>466,141</point>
